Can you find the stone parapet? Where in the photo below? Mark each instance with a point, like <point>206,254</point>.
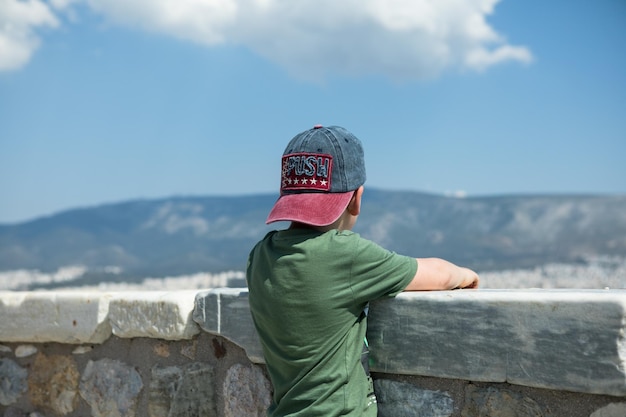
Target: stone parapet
<point>463,353</point>
<point>556,339</point>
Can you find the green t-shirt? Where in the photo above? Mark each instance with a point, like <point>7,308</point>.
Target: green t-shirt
<point>307,293</point>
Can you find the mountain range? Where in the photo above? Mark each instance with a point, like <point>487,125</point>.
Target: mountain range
<point>182,235</point>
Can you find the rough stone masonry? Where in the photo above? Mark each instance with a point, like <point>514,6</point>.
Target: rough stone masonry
<point>195,353</point>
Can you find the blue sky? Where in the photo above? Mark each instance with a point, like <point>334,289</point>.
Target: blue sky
<point>106,101</point>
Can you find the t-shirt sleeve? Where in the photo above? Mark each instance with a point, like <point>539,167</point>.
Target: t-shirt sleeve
<point>378,272</point>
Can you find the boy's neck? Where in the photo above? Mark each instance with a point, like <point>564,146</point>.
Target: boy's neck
<point>297,225</point>
<point>340,224</point>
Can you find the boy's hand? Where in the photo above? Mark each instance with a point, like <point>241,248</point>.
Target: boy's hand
<point>470,279</point>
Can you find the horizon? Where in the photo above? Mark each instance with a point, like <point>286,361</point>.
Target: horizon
<point>117,101</point>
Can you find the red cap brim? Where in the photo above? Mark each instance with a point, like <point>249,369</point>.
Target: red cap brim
<point>316,209</point>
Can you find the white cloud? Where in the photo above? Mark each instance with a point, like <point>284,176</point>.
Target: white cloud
<point>18,21</point>
<point>481,58</point>
<point>402,39</point>
<point>204,21</point>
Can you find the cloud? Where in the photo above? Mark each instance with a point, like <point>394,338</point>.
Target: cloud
<point>18,21</point>
<point>312,39</point>
<point>203,21</point>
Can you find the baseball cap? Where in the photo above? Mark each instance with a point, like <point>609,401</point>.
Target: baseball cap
<point>321,167</point>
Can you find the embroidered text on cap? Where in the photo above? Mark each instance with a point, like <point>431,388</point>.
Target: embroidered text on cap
<point>306,171</point>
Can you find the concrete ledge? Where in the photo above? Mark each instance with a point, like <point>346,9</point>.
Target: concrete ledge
<point>74,317</point>
<point>154,314</point>
<point>63,317</point>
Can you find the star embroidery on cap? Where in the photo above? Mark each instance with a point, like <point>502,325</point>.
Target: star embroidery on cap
<point>313,181</point>
<point>324,182</point>
<point>295,181</point>
<point>304,181</point>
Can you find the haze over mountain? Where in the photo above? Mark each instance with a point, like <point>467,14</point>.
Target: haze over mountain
<point>187,235</point>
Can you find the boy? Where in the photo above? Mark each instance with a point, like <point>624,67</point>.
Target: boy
<point>310,284</point>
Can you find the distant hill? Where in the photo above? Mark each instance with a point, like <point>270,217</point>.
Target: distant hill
<point>182,235</point>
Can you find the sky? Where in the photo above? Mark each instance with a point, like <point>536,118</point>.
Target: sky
<point>116,100</point>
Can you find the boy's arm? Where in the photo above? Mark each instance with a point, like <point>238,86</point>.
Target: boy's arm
<point>438,274</point>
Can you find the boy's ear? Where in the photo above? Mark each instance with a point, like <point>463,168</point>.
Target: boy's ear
<point>354,208</point>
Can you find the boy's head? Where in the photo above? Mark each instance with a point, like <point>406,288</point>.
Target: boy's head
<point>321,169</point>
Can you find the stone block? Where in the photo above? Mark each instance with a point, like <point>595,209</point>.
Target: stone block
<point>225,312</point>
<point>500,402</point>
<point>154,314</point>
<point>53,384</point>
<point>555,339</point>
<point>13,381</point>
<point>611,410</point>
<point>182,391</point>
<point>401,399</point>
<point>24,351</point>
<point>247,392</point>
<point>63,317</point>
<point>111,388</point>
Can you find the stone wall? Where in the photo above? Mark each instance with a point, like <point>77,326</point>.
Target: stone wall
<point>456,353</point>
